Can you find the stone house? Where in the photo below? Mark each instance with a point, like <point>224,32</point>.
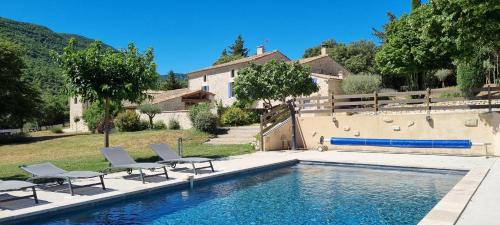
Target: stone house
<point>174,105</point>
<point>219,79</point>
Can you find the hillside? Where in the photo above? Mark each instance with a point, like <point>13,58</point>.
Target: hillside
<point>37,41</point>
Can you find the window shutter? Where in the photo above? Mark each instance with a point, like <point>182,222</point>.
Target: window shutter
<point>229,90</point>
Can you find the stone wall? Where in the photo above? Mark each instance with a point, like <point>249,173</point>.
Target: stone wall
<point>475,126</point>
<point>409,126</point>
<point>181,115</point>
<point>77,108</point>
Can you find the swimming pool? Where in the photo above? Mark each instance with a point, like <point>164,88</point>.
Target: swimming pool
<point>305,193</point>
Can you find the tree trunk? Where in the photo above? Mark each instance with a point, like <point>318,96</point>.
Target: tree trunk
<point>442,84</point>
<point>150,122</point>
<point>106,123</point>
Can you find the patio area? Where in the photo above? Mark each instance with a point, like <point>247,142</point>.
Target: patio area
<point>464,204</point>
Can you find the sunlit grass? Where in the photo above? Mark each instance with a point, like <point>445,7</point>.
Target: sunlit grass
<point>82,152</point>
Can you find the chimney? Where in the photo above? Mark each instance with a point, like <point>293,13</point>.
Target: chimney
<point>323,50</point>
<point>260,50</point>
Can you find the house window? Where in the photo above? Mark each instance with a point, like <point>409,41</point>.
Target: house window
<point>204,78</point>
<point>232,73</point>
<point>230,89</point>
<point>75,100</point>
<point>205,88</point>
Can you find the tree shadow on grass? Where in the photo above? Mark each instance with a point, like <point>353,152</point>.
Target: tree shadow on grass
<point>28,140</point>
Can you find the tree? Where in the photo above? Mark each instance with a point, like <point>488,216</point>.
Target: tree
<point>150,110</point>
<point>442,74</point>
<point>361,84</point>
<point>275,80</point>
<point>415,4</point>
<point>171,83</point>
<point>100,74</point>
<point>238,48</point>
<point>357,57</point>
<point>19,100</point>
<point>237,51</point>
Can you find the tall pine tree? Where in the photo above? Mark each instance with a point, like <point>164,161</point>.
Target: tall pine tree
<point>238,48</point>
<point>171,83</point>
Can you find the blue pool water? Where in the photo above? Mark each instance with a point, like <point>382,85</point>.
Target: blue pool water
<point>299,194</point>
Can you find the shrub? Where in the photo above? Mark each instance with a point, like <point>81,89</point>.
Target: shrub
<point>128,121</point>
<point>94,115</point>
<point>144,125</point>
<point>205,121</point>
<point>56,130</point>
<point>361,84</point>
<point>470,75</point>
<point>234,117</point>
<point>196,109</point>
<point>173,124</point>
<point>159,125</point>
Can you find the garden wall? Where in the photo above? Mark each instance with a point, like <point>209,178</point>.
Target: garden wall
<point>180,115</point>
<point>476,126</point>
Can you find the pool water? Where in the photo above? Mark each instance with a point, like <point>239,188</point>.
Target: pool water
<point>298,194</point>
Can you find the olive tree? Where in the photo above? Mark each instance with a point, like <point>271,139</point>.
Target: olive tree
<point>442,74</point>
<point>101,74</point>
<point>273,81</point>
<point>361,84</point>
<point>150,110</point>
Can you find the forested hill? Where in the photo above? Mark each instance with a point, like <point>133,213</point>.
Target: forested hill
<point>37,42</point>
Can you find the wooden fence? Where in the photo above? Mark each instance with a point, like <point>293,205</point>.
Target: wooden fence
<point>401,101</point>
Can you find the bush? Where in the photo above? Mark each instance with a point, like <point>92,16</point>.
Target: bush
<point>470,75</point>
<point>128,121</point>
<point>173,124</point>
<point>144,125</point>
<point>234,117</point>
<point>205,121</point>
<point>361,84</point>
<point>196,109</point>
<point>56,130</point>
<point>94,115</point>
<point>159,125</point>
<point>253,117</point>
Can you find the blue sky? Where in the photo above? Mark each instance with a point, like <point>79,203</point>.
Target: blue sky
<point>188,35</point>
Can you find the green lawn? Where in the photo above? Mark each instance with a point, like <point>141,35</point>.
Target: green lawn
<point>82,152</point>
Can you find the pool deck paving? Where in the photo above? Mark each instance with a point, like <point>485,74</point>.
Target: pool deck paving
<point>464,204</point>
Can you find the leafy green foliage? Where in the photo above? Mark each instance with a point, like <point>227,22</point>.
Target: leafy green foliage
<point>171,83</point>
<point>196,109</point>
<point>19,100</point>
<point>173,124</point>
<point>361,84</point>
<point>159,125</point>
<point>41,71</point>
<point>97,73</point>
<point>150,110</point>
<point>94,114</point>
<point>56,130</point>
<point>470,75</point>
<point>205,121</point>
<point>202,118</point>
<point>234,116</point>
<point>275,80</point>
<point>128,121</point>
<point>236,51</point>
<point>357,56</point>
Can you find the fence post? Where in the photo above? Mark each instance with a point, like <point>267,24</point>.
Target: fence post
<point>375,101</point>
<point>489,98</point>
<point>428,100</point>
<point>179,146</point>
<point>261,133</point>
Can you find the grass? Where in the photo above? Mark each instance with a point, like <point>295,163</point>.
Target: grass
<point>82,151</point>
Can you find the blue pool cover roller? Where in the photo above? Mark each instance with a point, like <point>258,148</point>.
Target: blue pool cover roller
<point>403,143</point>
